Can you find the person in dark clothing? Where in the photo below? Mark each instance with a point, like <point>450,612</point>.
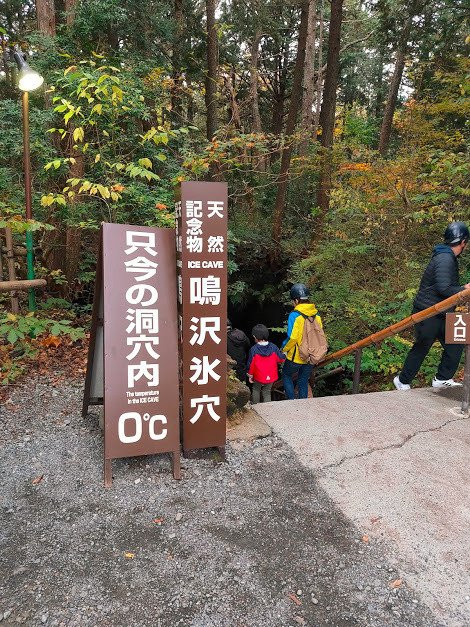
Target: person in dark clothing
<point>440,281</point>
<point>262,364</point>
<point>238,346</point>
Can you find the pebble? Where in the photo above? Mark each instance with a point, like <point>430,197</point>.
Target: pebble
<point>314,601</point>
<point>137,481</point>
<point>178,516</point>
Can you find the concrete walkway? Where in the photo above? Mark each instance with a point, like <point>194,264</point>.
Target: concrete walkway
<point>397,465</point>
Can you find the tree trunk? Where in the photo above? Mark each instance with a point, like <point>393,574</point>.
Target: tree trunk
<point>309,86</point>
<point>176,61</point>
<point>295,100</point>
<point>328,109</point>
<point>386,128</point>
<point>70,11</point>
<point>319,78</point>
<point>45,13</point>
<point>211,77</point>
<point>254,54</point>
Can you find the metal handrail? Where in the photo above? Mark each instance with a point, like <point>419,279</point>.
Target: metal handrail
<point>398,327</point>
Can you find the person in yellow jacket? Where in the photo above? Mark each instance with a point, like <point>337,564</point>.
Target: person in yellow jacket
<point>300,295</point>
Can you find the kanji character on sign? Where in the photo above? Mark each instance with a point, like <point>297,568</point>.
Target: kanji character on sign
<point>194,208</point>
<point>136,293</point>
<point>215,244</point>
<point>140,340</point>
<point>460,328</point>
<point>203,370</point>
<point>198,404</point>
<point>194,244</point>
<point>151,372</point>
<point>203,326</point>
<point>139,239</point>
<point>142,265</point>
<point>193,227</point>
<point>215,208</point>
<point>142,320</point>
<point>204,290</point>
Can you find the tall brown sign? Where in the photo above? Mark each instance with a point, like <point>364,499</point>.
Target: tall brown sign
<point>201,242</point>
<point>458,328</point>
<point>140,331</point>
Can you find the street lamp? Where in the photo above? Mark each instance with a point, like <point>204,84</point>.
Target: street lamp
<point>28,80</point>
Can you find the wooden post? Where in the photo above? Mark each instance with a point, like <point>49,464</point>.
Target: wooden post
<point>15,307</point>
<point>357,370</point>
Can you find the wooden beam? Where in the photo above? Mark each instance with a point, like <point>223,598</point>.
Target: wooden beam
<point>11,286</point>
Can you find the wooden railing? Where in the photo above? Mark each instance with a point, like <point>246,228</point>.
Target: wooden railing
<point>398,327</point>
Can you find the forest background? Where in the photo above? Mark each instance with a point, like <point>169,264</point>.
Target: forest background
<point>340,126</point>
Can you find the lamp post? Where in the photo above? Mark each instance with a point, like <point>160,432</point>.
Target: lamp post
<point>28,80</point>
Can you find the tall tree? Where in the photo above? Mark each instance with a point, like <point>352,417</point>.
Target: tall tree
<point>45,13</point>
<point>391,103</point>
<point>212,70</point>
<point>308,82</point>
<point>254,56</point>
<point>176,59</point>
<point>328,107</point>
<point>295,103</point>
<point>70,6</point>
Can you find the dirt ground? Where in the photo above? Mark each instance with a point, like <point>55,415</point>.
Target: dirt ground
<point>254,541</point>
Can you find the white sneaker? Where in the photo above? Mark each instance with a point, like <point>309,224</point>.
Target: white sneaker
<point>448,383</point>
<point>401,386</point>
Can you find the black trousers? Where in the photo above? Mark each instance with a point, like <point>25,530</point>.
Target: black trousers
<point>427,332</point>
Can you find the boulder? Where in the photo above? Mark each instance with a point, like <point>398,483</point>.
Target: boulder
<point>238,394</point>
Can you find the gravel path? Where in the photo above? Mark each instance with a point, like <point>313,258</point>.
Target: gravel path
<point>247,543</point>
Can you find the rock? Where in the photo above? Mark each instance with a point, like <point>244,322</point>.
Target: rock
<point>238,394</point>
<point>314,601</point>
<point>178,516</point>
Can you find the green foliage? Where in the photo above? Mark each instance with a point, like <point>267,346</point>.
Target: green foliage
<point>14,329</point>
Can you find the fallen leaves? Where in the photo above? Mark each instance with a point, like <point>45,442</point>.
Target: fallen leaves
<point>38,480</point>
<point>294,598</point>
<point>157,521</point>
<point>396,584</point>
<point>129,556</point>
<point>51,340</point>
<point>365,539</point>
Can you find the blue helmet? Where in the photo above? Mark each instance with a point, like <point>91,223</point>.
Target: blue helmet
<point>455,233</point>
<point>299,291</point>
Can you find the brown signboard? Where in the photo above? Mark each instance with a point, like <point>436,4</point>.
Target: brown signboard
<point>201,242</point>
<point>458,328</point>
<point>140,334</point>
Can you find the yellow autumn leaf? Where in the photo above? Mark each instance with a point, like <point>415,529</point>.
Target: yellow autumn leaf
<point>129,555</point>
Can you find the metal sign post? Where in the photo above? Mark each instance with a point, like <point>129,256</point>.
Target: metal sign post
<point>201,243</point>
<point>458,332</point>
<point>133,353</point>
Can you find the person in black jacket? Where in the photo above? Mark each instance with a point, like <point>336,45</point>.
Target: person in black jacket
<point>238,346</point>
<point>440,281</point>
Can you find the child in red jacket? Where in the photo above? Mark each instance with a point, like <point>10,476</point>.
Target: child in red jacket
<point>263,359</point>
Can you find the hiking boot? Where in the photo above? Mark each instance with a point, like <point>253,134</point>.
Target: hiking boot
<point>448,383</point>
<point>401,386</point>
